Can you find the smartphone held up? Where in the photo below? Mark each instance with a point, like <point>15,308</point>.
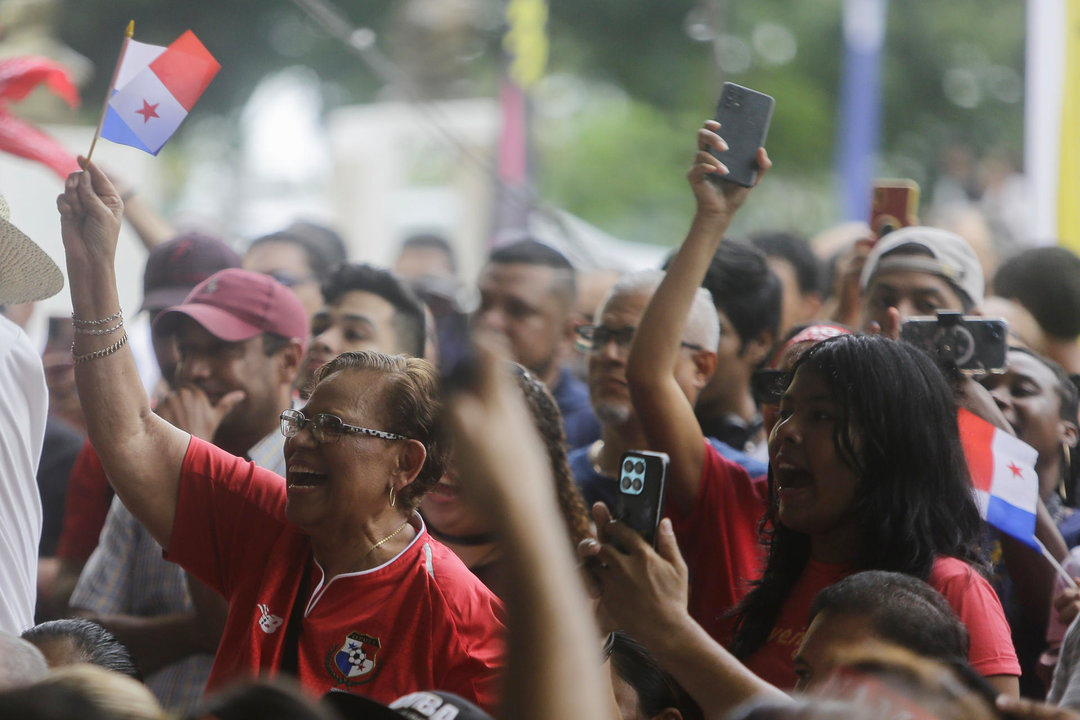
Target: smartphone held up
<point>744,117</point>
<point>642,487</point>
<point>894,204</point>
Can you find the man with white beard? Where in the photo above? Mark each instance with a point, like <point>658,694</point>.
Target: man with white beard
<point>606,344</point>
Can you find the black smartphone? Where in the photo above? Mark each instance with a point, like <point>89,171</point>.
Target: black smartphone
<point>971,343</point>
<point>642,484</point>
<point>744,117</point>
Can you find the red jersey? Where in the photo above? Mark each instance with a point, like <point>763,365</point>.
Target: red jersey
<point>88,497</point>
<point>970,595</point>
<point>419,622</point>
<point>719,540</point>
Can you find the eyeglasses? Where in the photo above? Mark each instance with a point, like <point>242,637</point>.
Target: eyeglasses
<point>327,428</point>
<point>768,385</point>
<point>594,338</point>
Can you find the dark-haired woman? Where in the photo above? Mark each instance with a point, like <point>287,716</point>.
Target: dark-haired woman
<point>867,472</point>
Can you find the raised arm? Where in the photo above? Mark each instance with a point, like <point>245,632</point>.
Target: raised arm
<point>141,453</point>
<point>553,655</point>
<point>667,416</point>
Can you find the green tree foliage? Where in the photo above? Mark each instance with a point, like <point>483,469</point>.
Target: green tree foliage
<point>951,74</point>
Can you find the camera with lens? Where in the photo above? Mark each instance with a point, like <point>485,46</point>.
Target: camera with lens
<point>973,344</point>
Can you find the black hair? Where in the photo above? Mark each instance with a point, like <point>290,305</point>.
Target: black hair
<point>913,501</point>
<point>796,251</point>
<point>744,289</point>
<point>656,689</point>
<point>1046,281</point>
<point>408,310</point>
<point>95,644</point>
<point>549,424</point>
<point>538,254</point>
<point>323,247</point>
<point>430,241</point>
<point>902,609</point>
<point>274,699</point>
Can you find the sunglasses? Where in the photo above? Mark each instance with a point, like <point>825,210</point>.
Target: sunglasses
<point>768,385</point>
<point>327,428</point>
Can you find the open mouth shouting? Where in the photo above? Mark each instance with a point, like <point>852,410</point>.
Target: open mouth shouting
<point>301,478</point>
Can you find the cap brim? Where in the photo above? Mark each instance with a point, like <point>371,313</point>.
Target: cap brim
<point>357,707</point>
<point>27,273</point>
<point>215,321</point>
<point>164,297</point>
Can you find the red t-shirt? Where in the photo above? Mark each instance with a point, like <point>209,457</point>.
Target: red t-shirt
<point>719,541</point>
<point>420,622</point>
<point>969,594</point>
<point>86,505</point>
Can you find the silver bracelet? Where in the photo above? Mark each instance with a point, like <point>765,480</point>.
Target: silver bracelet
<point>103,321</point>
<point>103,331</point>
<point>97,354</point>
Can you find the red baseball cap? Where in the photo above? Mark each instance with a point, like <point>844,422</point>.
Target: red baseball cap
<point>235,305</point>
<point>175,267</point>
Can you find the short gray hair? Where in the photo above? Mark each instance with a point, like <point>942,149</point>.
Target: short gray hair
<point>702,324</point>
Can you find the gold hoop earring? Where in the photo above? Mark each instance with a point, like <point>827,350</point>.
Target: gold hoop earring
<point>393,500</point>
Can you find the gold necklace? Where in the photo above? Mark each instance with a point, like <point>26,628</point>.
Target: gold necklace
<point>372,548</point>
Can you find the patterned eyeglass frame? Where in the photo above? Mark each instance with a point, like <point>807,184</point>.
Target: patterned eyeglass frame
<point>290,416</point>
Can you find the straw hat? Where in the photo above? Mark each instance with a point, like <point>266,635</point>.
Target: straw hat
<point>27,273</point>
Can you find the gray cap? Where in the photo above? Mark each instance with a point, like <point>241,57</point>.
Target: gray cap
<point>946,255</point>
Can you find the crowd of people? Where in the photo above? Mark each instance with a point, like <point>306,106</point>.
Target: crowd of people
<point>337,494</point>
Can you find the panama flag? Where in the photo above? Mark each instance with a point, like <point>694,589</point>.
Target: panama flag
<point>154,89</point>
<point>1003,474</point>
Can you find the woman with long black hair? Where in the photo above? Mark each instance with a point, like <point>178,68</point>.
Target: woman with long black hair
<point>867,473</point>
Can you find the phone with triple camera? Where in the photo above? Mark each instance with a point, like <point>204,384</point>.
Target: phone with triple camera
<point>971,343</point>
<point>893,205</point>
<point>640,499</point>
<point>744,116</point>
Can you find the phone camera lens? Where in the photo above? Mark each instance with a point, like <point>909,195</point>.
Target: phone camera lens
<point>639,467</point>
<point>637,484</point>
<point>626,483</point>
<point>628,466</point>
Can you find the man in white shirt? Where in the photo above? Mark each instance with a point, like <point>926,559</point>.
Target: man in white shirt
<point>26,274</point>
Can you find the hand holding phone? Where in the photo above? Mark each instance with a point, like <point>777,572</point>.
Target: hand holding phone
<point>642,485</point>
<point>744,116</point>
<point>894,205</point>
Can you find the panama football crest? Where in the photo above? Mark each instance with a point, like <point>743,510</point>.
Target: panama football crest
<point>356,661</point>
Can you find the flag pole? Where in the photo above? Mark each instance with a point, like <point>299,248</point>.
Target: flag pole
<point>128,32</point>
<point>1061,571</point>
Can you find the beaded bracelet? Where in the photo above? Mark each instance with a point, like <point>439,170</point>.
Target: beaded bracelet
<point>97,354</point>
<point>103,321</point>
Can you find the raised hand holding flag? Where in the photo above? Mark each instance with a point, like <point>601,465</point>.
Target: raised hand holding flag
<point>153,90</point>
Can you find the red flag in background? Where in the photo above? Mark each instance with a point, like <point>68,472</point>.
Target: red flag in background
<point>18,77</point>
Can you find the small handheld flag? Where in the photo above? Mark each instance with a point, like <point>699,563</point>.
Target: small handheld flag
<point>1002,470</point>
<point>153,90</point>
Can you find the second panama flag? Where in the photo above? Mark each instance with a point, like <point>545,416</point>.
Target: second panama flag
<point>155,87</point>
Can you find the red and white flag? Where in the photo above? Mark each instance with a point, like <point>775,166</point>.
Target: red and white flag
<point>1002,470</point>
<point>154,90</point>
